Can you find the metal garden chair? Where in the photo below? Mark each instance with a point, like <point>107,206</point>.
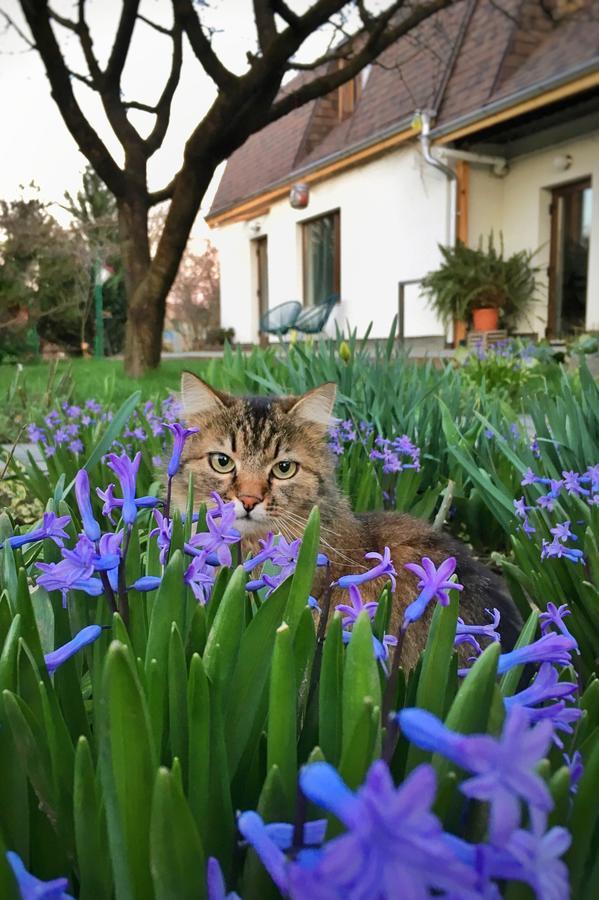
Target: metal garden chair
<point>313,319</point>
<point>280,319</point>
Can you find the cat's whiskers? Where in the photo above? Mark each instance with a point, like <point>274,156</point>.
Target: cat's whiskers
<point>302,522</point>
<point>350,562</point>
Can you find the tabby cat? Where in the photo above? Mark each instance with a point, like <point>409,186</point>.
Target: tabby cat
<point>270,456</point>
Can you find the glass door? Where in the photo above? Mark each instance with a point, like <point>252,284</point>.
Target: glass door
<point>569,256</point>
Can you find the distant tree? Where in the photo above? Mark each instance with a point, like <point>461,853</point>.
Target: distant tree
<point>44,279</point>
<point>194,299</point>
<point>94,211</point>
<point>244,104</point>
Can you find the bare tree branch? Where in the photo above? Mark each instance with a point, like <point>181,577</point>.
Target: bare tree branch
<point>10,23</point>
<point>83,79</point>
<point>163,107</point>
<point>122,42</point>
<point>88,48</point>
<point>165,193</point>
<point>381,35</point>
<point>266,28</point>
<point>288,16</point>
<point>90,144</point>
<point>160,28</point>
<point>143,107</point>
<point>187,17</point>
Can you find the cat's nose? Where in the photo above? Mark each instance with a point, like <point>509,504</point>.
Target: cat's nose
<point>248,501</point>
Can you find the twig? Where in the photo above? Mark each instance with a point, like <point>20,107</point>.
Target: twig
<point>445,505</point>
<point>320,636</point>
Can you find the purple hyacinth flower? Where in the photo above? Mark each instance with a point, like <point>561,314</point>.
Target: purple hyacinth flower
<point>83,638</point>
<point>503,769</point>
<point>199,576</point>
<point>562,532</point>
<point>385,569</point>
<point>215,882</point>
<point>110,501</point>
<point>126,471</point>
<point>521,509</point>
<point>393,839</point>
<point>284,555</point>
<point>528,529</point>
<point>575,766</point>
<point>546,686</point>
<point>351,613</point>
<point>572,484</point>
<point>553,648</point>
<point>532,857</point>
<point>147,583</point>
<point>433,585</point>
<point>529,478</point>
<point>466,630</point>
<point>220,535</point>
<point>181,434</point>
<point>163,534</point>
<point>268,545</point>
<point>556,550</point>
<point>554,615</point>
<point>36,434</point>
<point>90,526</point>
<point>52,528</point>
<point>32,888</point>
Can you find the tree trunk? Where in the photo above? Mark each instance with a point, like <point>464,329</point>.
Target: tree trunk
<point>135,249</point>
<point>149,281</point>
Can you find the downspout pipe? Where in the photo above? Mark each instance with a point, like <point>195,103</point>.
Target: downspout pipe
<point>426,116</point>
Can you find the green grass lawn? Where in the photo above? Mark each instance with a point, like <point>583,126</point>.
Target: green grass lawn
<point>39,387</point>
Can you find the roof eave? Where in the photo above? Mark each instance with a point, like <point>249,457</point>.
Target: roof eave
<point>566,83</point>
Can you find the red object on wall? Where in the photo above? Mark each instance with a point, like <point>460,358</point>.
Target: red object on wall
<point>299,195</point>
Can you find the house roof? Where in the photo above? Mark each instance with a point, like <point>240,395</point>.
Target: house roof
<point>460,61</point>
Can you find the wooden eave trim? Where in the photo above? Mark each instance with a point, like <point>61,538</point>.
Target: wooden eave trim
<point>260,204</point>
<point>559,93</point>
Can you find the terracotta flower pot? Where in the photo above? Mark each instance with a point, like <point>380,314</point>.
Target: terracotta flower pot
<point>459,332</point>
<point>486,319</point>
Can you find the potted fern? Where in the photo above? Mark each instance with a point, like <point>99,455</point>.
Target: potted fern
<point>481,285</point>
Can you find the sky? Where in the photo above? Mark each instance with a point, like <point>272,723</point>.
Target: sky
<point>34,142</point>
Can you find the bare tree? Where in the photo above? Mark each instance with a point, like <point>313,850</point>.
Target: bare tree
<point>244,104</point>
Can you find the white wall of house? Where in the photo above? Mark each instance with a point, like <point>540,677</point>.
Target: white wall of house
<point>518,205</point>
<point>393,213</point>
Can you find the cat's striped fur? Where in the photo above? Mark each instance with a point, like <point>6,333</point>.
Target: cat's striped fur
<point>255,433</point>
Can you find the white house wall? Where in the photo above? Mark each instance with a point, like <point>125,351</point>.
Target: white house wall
<point>393,214</point>
<point>518,205</point>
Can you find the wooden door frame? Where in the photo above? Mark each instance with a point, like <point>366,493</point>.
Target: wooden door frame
<point>261,242</point>
<point>560,190</point>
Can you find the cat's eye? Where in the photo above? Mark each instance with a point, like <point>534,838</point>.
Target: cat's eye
<point>284,469</point>
<point>221,463</point>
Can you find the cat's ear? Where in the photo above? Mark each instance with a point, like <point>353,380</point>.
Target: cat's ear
<point>198,398</point>
<point>316,406</point>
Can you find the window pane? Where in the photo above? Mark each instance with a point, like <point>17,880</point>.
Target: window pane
<point>321,259</point>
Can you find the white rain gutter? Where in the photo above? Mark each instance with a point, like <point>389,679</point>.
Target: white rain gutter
<point>499,163</point>
<point>425,116</point>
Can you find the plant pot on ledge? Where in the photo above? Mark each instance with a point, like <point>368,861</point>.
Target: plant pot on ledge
<point>485,319</point>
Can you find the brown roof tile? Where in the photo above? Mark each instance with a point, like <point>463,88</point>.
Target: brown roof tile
<point>500,54</point>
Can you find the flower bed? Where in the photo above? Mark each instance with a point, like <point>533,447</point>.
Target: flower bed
<point>177,721</point>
